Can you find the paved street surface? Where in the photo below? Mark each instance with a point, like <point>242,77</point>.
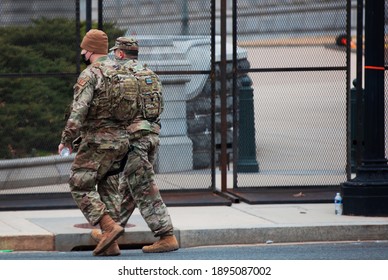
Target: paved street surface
<point>376,250</point>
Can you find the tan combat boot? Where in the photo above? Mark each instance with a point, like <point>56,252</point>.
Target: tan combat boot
<point>166,243</point>
<point>113,250</point>
<point>111,231</point>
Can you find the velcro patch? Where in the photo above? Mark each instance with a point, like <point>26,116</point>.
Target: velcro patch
<point>82,81</point>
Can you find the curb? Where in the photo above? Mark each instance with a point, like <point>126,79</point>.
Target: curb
<point>205,237</point>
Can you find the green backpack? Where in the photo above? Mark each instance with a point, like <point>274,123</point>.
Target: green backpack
<point>151,100</point>
<point>123,93</point>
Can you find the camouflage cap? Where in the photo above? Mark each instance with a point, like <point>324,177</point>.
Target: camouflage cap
<point>126,43</point>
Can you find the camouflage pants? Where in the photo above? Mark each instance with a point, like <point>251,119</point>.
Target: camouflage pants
<point>138,186</point>
<point>94,194</point>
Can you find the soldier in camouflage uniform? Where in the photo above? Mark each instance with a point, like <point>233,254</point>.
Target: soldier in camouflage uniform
<point>103,141</point>
<point>137,182</point>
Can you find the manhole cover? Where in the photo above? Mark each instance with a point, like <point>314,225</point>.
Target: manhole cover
<point>87,225</point>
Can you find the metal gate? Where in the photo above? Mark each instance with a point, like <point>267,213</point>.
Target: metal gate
<point>257,98</point>
<point>300,71</point>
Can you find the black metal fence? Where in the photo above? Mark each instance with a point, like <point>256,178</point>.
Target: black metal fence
<point>257,92</point>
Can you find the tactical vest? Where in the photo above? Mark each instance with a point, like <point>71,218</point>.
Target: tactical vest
<point>122,93</point>
<point>99,109</point>
<point>151,102</point>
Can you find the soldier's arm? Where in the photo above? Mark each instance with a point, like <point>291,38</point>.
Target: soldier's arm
<point>83,95</point>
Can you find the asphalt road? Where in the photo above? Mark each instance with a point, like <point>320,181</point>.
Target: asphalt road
<point>373,250</point>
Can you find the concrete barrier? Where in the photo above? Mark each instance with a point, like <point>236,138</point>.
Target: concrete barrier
<point>39,171</point>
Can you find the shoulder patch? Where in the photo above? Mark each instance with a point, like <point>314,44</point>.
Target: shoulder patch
<point>83,80</point>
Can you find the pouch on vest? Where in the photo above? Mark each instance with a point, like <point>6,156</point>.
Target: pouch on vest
<point>124,92</point>
<point>150,98</point>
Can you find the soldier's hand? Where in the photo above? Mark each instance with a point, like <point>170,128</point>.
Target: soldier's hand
<point>62,146</point>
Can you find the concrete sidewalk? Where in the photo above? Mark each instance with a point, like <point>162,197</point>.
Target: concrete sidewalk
<point>240,223</point>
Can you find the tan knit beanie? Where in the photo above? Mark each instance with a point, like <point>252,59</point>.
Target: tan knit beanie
<point>95,41</point>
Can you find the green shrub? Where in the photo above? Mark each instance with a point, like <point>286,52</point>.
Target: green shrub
<point>32,109</point>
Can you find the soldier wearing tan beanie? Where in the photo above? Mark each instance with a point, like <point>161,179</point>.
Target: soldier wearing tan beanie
<point>104,141</point>
<point>95,41</point>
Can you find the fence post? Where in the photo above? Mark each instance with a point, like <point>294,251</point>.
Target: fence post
<point>88,15</point>
<point>367,193</point>
<point>100,15</point>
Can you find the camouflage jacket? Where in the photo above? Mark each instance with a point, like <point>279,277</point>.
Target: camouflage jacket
<point>90,113</point>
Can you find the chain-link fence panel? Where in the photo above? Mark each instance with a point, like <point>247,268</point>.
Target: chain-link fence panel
<point>175,37</point>
<point>24,12</point>
<point>164,17</point>
<point>288,55</point>
<point>299,77</point>
<point>38,68</point>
